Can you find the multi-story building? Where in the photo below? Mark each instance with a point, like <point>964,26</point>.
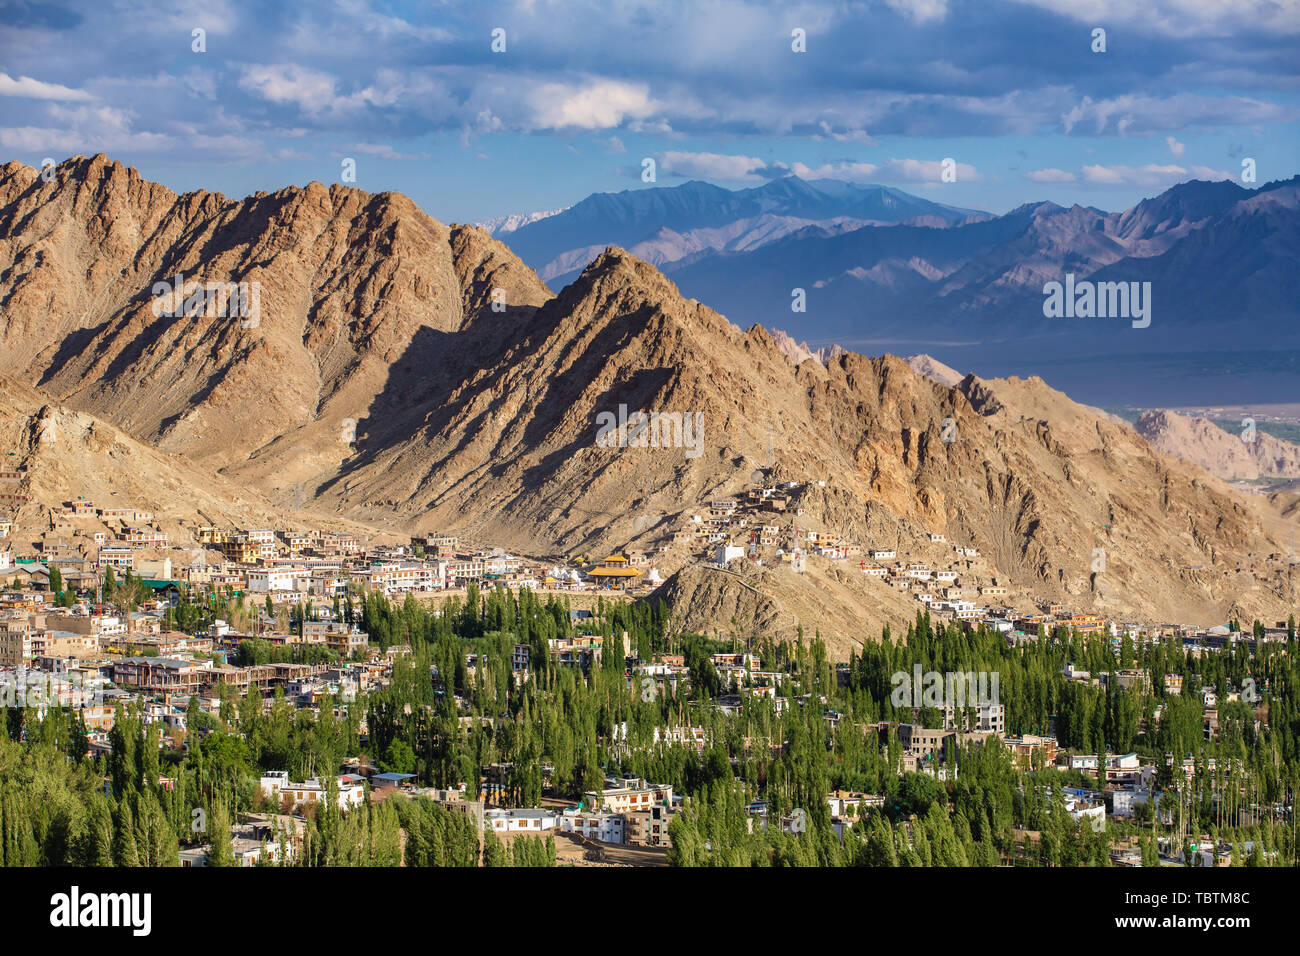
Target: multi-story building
<point>120,559</point>
<point>521,820</point>
<point>276,579</point>
<point>240,549</point>
<point>602,826</point>
<point>16,642</point>
<point>276,787</point>
<point>629,794</point>
<point>344,639</point>
<point>648,827</point>
<point>159,674</point>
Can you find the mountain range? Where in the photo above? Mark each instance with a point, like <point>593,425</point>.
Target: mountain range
<point>879,269</point>
<point>677,225</point>
<point>406,375</point>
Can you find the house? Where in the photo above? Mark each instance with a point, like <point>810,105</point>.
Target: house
<point>649,827</point>
<point>521,820</point>
<point>603,826</point>
<point>159,674</point>
<point>1125,799</point>
<point>1029,747</point>
<point>120,559</point>
<point>629,794</point>
<point>726,553</point>
<point>344,639</point>
<point>382,783</point>
<point>276,579</point>
<point>275,786</point>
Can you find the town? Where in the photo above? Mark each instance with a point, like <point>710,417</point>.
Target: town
<point>273,696</point>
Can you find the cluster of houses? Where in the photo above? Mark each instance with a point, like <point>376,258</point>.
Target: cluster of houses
<point>628,810</point>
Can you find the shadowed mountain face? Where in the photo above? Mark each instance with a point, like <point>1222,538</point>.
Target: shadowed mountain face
<point>381,384</point>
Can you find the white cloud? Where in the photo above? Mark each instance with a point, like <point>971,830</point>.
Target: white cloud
<point>1182,17</point>
<point>849,172</point>
<point>845,136</point>
<point>736,169</point>
<point>601,104</point>
<point>926,171</point>
<point>86,129</point>
<point>1175,147</point>
<point>310,90</point>
<point>29,88</point>
<point>920,11</point>
<point>385,151</point>
<point>1150,176</point>
<point>217,17</point>
<point>1139,113</point>
<point>1050,175</point>
<point>894,171</point>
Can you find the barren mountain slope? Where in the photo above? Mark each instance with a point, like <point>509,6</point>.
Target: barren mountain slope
<point>349,284</point>
<point>1221,453</point>
<point>933,369</point>
<point>831,600</point>
<point>66,454</point>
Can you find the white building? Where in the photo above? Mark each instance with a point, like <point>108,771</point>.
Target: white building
<point>118,558</point>
<point>727,553</point>
<point>603,826</point>
<point>276,579</point>
<point>521,820</point>
<point>275,786</point>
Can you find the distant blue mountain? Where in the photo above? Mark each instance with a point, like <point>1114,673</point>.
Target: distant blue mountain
<point>1223,263</point>
<point>882,270</point>
<point>668,225</point>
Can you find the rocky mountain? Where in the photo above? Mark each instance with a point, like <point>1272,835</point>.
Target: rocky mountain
<point>408,375</point>
<point>63,454</point>
<point>931,368</point>
<point>347,285</point>
<point>1035,481</point>
<point>1247,455</point>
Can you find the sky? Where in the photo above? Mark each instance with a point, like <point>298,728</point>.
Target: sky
<point>483,109</point>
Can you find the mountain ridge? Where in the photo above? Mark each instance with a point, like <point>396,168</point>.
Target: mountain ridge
<point>485,422</point>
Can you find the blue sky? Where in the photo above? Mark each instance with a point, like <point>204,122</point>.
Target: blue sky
<point>583,92</point>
